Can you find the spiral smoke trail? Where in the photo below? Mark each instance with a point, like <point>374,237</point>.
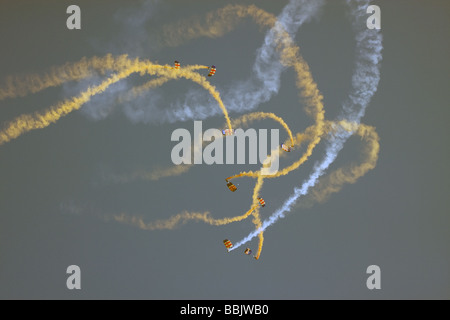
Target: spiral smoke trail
<point>364,85</point>
<point>240,96</point>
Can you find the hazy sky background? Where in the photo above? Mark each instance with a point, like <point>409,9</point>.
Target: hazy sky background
<point>53,191</point>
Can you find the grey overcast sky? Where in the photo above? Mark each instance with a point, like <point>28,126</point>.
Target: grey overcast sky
<point>61,185</point>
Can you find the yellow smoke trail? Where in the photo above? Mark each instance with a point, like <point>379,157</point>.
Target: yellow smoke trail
<point>153,175</point>
<point>19,86</point>
<point>39,120</point>
<point>210,88</point>
<point>292,141</point>
<point>178,219</point>
<point>256,218</point>
<point>246,118</point>
<point>169,172</point>
<point>215,24</point>
<point>136,91</point>
<point>350,174</point>
<point>301,137</point>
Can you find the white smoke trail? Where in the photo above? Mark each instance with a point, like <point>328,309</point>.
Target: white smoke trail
<point>364,85</point>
